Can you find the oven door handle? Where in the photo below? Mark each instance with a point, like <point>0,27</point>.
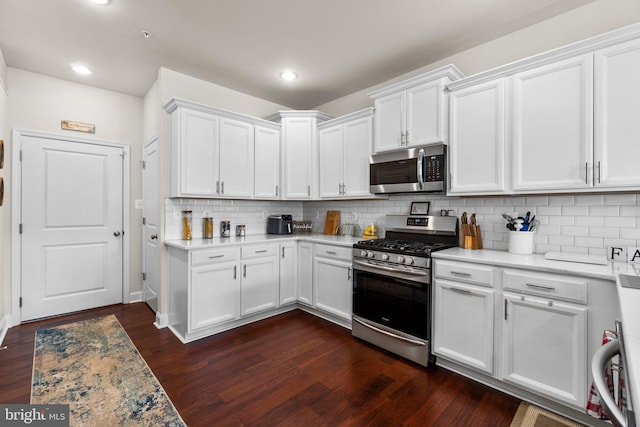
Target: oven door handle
<point>390,334</point>
<point>382,267</point>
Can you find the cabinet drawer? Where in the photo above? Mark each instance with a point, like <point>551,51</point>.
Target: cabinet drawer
<point>258,251</point>
<point>214,255</point>
<point>554,286</point>
<point>459,271</point>
<point>330,251</point>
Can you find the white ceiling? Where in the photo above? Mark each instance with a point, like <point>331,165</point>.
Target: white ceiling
<point>336,46</point>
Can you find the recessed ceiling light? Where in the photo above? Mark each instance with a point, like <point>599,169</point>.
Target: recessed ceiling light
<point>100,1</point>
<point>81,69</point>
<point>288,75</point>
<point>146,34</point>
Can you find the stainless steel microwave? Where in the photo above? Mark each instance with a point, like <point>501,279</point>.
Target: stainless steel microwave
<point>414,170</point>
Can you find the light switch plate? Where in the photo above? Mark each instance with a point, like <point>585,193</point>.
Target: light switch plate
<point>138,204</point>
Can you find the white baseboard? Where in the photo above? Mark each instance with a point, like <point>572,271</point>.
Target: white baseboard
<point>135,297</point>
<point>162,320</point>
<point>5,323</point>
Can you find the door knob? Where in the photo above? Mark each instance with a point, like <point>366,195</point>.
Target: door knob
<point>154,236</point>
<point>117,233</point>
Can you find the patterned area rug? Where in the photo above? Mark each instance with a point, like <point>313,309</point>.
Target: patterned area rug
<point>531,416</point>
<point>94,367</point>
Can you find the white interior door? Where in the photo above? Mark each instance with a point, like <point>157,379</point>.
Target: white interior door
<point>72,226</point>
<point>150,223</point>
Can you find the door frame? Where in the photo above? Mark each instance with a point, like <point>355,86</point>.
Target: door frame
<point>16,217</point>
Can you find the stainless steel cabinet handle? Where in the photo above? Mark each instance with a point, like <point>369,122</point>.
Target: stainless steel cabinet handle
<point>598,171</point>
<point>276,191</point>
<point>222,187</point>
<point>541,287</point>
<point>244,271</point>
<point>309,190</point>
<point>216,256</point>
<point>235,272</point>
<point>460,291</point>
<point>406,138</point>
<point>586,173</point>
<point>283,252</point>
<point>331,253</point>
<point>154,236</point>
<point>218,187</point>
<point>344,188</point>
<point>116,233</point>
<point>459,273</point>
<point>260,251</point>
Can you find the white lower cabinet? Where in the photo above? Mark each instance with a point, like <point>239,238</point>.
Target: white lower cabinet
<point>259,288</point>
<point>463,323</point>
<point>332,285</point>
<point>523,328</point>
<point>288,273</point>
<point>214,294</point>
<point>305,273</point>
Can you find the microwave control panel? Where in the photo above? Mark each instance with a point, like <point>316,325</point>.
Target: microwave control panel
<point>434,168</point>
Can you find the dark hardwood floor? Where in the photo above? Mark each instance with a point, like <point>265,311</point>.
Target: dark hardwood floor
<point>290,370</point>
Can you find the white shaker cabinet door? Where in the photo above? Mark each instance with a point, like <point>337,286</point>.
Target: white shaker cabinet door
<point>544,347</point>
<point>267,163</point>
<point>260,285</point>
<point>617,116</point>
<point>357,148</point>
<point>288,273</point>
<point>298,139</point>
<point>390,122</point>
<point>214,297</point>
<point>305,273</point>
<point>425,110</point>
<point>332,286</point>
<point>331,161</point>
<point>552,126</point>
<point>477,139</point>
<point>463,324</point>
<point>195,150</point>
<point>236,158</point>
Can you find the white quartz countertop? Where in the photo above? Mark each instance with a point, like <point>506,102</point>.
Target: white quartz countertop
<point>217,242</point>
<point>629,298</point>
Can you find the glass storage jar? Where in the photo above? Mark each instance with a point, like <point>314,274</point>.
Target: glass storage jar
<point>186,225</point>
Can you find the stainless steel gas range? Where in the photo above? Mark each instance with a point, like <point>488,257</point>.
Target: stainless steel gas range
<point>392,284</point>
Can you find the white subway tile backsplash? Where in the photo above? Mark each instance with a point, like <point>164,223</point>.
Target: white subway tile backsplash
<point>582,223</point>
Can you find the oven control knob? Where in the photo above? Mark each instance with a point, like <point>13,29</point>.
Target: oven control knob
<point>370,254</point>
<point>385,257</point>
<point>363,254</point>
<point>400,259</point>
<point>408,260</point>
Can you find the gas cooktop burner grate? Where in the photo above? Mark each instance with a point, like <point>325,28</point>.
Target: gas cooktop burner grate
<point>402,246</point>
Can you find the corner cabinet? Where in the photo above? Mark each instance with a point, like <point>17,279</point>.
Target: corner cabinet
<point>299,152</point>
<point>413,112</point>
<point>344,155</point>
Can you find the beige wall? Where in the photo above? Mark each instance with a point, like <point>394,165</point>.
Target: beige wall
<point>36,102</point>
<point>172,84</point>
<point>581,23</point>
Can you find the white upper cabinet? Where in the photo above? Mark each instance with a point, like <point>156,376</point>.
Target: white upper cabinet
<point>299,146</point>
<point>266,163</point>
<point>344,147</point>
<point>477,129</point>
<point>617,116</point>
<point>194,152</point>
<point>236,158</point>
<point>413,112</point>
<point>213,150</point>
<point>552,126</point>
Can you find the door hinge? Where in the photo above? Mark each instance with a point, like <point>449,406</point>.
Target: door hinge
<point>20,301</point>
<point>20,228</point>
<point>144,276</point>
